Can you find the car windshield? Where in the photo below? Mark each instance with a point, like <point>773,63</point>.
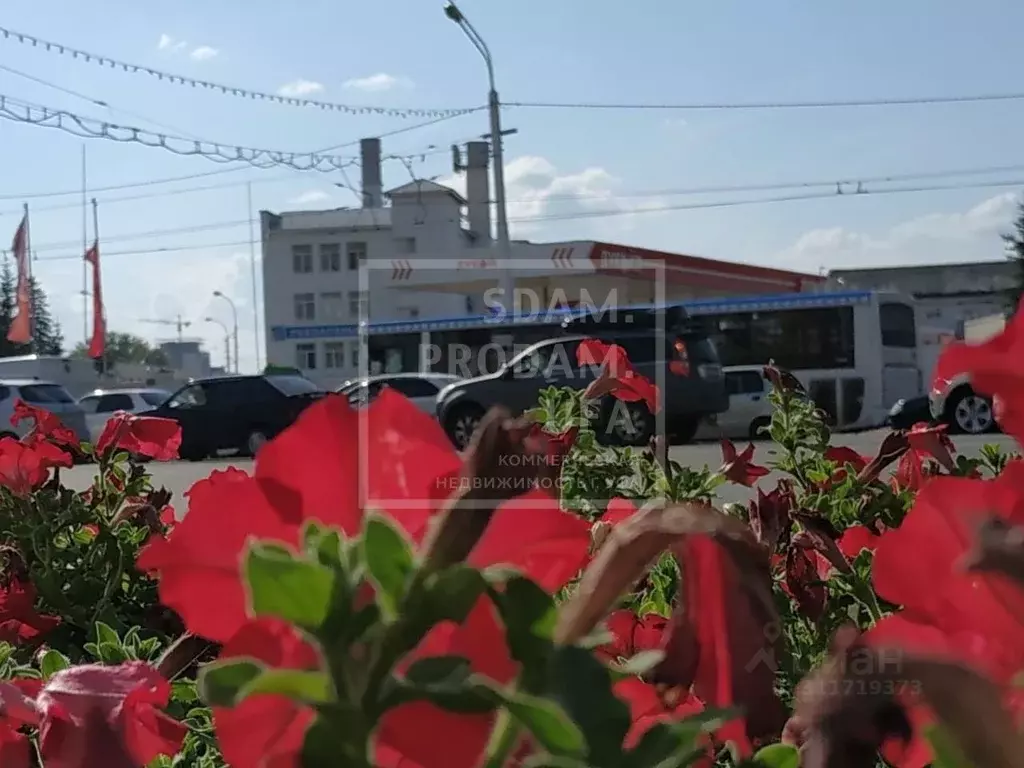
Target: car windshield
<point>45,393</point>
<point>293,385</point>
<point>154,398</point>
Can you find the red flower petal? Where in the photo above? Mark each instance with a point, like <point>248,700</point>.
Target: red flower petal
<point>618,509</point>
<point>855,539</point>
<point>647,708</point>
<point>199,563</point>
<point>266,730</point>
<point>148,436</point>
<point>533,534</point>
<point>47,425</point>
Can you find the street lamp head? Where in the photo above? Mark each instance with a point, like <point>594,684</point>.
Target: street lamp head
<point>453,13</point>
<point>218,293</point>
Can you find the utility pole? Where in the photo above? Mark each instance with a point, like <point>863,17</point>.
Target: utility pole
<point>494,108</point>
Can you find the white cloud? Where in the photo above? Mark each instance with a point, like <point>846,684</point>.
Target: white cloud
<point>204,53</point>
<point>540,197</point>
<point>972,235</point>
<point>168,43</point>
<point>300,87</point>
<point>310,197</point>
<point>378,82</point>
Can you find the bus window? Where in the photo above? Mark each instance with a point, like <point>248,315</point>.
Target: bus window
<point>797,339</point>
<point>898,326</point>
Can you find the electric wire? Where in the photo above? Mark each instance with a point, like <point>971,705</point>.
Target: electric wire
<point>702,205</point>
<point>899,101</point>
<point>229,90</point>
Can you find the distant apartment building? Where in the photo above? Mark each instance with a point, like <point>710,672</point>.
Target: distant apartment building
<point>315,292</point>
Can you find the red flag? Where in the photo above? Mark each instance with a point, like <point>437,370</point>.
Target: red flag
<point>98,342</point>
<point>21,326</point>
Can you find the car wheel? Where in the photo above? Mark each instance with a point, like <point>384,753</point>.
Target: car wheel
<point>684,430</point>
<point>257,439</point>
<point>462,422</point>
<point>758,428</point>
<point>970,413</point>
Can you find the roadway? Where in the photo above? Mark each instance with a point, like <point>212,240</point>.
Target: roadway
<point>178,476</point>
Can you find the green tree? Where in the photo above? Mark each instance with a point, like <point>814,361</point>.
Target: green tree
<point>1015,253</point>
<point>125,348</point>
<point>46,332</point>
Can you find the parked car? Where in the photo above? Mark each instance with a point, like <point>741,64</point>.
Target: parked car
<point>749,409</point>
<point>963,409</point>
<point>43,394</point>
<point>693,386</point>
<point>421,388</point>
<point>238,413</point>
<point>99,405</point>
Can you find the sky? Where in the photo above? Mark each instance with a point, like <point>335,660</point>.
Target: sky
<point>626,176</point>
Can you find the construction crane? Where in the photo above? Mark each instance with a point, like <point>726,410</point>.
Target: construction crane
<point>180,324</point>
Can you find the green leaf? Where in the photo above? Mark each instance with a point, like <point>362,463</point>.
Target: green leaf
<point>389,561</point>
<point>446,681</point>
<point>284,586</point>
<point>111,653</point>
<point>778,756</point>
<point>450,595</point>
<point>553,729</point>
<point>220,682</point>
<point>529,616</point>
<point>53,662</point>
<point>947,753</point>
<point>582,685</point>
<point>308,686</point>
<point>105,634</point>
<point>662,746</point>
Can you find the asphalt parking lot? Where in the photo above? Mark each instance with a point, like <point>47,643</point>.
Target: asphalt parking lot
<point>179,476</point>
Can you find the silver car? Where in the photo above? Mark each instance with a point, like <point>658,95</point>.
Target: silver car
<point>47,395</point>
<point>100,404</point>
<point>421,388</point>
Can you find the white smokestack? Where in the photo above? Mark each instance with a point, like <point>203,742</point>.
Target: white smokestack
<point>478,189</point>
<point>373,188</point>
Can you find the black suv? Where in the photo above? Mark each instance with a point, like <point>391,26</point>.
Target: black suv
<point>694,388</point>
<point>235,412</point>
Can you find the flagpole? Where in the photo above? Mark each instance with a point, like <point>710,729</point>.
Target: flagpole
<point>252,270</point>
<point>28,286</point>
<point>85,247</point>
<point>97,293</point>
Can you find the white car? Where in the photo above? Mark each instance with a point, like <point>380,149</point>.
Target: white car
<point>749,409</point>
<point>100,404</point>
<point>47,395</point>
<point>421,388</point>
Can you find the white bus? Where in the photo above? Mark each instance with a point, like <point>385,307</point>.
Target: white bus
<point>855,351</point>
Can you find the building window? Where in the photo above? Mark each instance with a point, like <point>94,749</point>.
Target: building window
<point>305,357</point>
<point>332,306</point>
<point>405,245</point>
<point>356,255</point>
<point>334,354</point>
<point>898,326</point>
<point>354,352</point>
<point>305,306</point>
<point>302,259</point>
<point>358,304</point>
<point>330,257</point>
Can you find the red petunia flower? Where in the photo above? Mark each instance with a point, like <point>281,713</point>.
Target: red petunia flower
<point>634,634</point>
<point>771,515</point>
<point>856,539</point>
<point>47,424</point>
<point>617,377</point>
<point>24,466</point>
<point>148,436</point>
<point>933,441</point>
<point>266,730</point>
<point>738,468</point>
<point>312,472</point>
<point>648,707</point>
<point>102,715</point>
<point>17,709</point>
<point>19,621</point>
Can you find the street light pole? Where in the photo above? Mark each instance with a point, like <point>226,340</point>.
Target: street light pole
<point>494,109</point>
<point>234,315</point>
<point>227,343</point>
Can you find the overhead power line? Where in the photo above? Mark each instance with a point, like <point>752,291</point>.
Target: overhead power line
<point>229,90</point>
<point>601,214</point>
<point>89,128</point>
<point>711,106</point>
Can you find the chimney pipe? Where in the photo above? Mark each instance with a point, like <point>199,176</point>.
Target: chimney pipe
<point>478,190</point>
<point>373,189</point>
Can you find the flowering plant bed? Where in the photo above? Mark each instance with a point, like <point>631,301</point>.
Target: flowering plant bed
<point>368,597</point>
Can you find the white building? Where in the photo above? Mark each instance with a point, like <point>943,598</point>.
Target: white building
<point>315,292</point>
